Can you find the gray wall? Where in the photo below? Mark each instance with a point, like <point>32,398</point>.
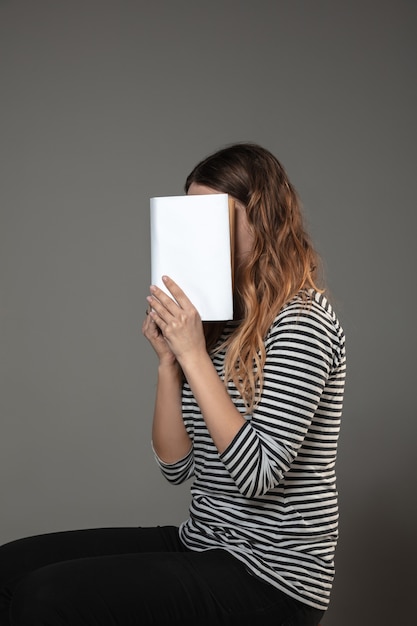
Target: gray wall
<point>104,104</point>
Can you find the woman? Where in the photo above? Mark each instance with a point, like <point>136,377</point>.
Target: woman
<point>251,409</point>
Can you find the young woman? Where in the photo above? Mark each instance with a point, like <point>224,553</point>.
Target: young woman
<point>250,409</point>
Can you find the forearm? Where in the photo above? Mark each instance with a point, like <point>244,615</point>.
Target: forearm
<point>169,436</point>
<point>222,418</point>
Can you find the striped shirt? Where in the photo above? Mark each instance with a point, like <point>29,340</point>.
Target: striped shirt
<point>270,498</point>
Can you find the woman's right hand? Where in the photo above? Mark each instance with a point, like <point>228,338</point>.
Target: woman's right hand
<point>152,333</point>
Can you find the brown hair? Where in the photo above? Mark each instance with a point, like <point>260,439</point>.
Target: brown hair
<point>282,262</point>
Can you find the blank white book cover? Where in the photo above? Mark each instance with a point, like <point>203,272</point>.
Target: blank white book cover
<point>191,243</point>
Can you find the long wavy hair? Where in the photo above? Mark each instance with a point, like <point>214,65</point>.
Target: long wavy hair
<point>281,264</point>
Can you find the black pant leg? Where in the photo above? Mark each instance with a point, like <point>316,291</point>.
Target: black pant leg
<point>134,576</point>
<point>207,588</point>
<point>19,558</point>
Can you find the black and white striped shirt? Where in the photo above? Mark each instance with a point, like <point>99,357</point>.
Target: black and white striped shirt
<point>270,498</point>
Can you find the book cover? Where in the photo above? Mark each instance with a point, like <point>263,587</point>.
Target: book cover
<point>191,241</point>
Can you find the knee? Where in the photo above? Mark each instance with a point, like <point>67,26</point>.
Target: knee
<point>39,599</point>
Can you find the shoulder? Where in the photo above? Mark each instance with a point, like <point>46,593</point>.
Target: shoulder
<point>309,316</point>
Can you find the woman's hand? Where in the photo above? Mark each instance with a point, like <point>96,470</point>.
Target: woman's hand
<point>177,321</point>
<point>152,333</point>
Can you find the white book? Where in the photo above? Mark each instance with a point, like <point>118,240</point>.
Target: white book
<point>191,242</point>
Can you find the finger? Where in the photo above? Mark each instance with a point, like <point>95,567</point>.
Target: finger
<point>146,328</point>
<point>161,301</point>
<point>148,322</point>
<point>157,315</point>
<point>177,292</point>
<point>150,329</point>
<point>147,325</point>
<point>156,309</point>
<point>147,319</point>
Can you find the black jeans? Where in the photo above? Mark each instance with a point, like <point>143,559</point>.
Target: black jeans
<point>132,577</point>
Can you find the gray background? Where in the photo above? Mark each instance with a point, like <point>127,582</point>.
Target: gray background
<point>104,104</point>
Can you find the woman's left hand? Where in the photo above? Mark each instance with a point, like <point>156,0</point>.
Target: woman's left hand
<point>178,320</point>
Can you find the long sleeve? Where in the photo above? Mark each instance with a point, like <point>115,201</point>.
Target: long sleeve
<point>179,472</point>
<point>303,349</point>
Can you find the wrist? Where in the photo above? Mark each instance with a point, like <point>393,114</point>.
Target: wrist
<point>195,361</point>
<point>169,368</point>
